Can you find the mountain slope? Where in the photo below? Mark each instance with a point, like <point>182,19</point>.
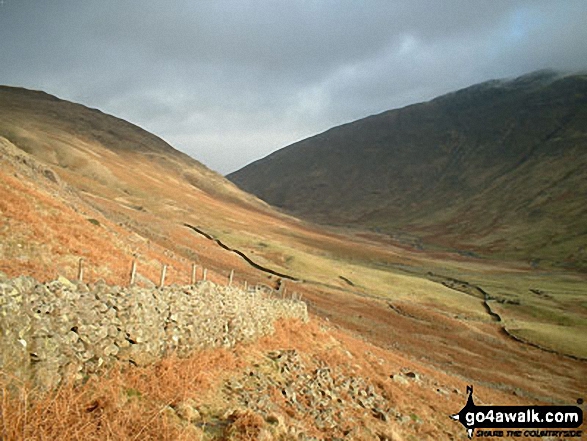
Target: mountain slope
<point>75,138</point>
<point>63,164</point>
<point>75,183</point>
<point>497,168</point>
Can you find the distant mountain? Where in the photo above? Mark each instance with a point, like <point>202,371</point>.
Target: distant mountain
<point>498,168</point>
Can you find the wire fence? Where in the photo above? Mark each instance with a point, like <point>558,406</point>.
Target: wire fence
<point>197,274</point>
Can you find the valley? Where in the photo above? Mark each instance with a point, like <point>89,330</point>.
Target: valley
<point>76,183</point>
<point>495,170</point>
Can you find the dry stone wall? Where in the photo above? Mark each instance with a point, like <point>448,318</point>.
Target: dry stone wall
<point>60,329</point>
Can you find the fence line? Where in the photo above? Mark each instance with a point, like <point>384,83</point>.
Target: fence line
<point>280,290</point>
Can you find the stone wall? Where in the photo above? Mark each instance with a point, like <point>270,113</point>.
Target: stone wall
<point>60,329</point>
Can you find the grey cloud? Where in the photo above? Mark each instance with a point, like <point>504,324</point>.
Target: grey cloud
<point>228,82</point>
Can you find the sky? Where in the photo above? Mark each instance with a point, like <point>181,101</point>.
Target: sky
<point>229,82</point>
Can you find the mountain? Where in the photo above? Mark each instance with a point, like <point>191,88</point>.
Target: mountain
<point>78,183</point>
<point>498,168</point>
<point>70,136</point>
<point>413,327</point>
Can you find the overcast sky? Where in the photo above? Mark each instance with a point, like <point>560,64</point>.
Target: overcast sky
<point>228,82</point>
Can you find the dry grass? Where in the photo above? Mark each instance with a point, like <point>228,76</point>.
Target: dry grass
<point>50,223</point>
<point>142,403</point>
<point>125,404</point>
<point>138,403</point>
<point>50,227</point>
<point>81,413</point>
<point>246,426</point>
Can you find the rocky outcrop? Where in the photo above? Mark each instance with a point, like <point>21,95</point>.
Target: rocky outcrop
<point>61,330</point>
<point>292,391</point>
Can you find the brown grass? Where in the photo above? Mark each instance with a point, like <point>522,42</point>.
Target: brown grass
<point>133,403</point>
<point>88,413</point>
<point>125,404</point>
<point>139,403</point>
<point>54,229</point>
<point>50,223</point>
<point>245,426</point>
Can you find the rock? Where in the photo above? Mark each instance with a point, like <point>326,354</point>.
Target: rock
<point>412,375</point>
<point>111,350</point>
<point>169,413</point>
<point>66,283</point>
<point>399,379</point>
<point>63,323</point>
<point>71,338</point>
<point>187,411</point>
<point>380,414</point>
<point>275,419</point>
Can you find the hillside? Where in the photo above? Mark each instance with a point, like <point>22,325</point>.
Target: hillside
<point>90,185</point>
<point>394,334</point>
<point>76,139</point>
<point>499,168</point>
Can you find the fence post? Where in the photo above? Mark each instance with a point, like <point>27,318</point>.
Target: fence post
<point>193,279</point>
<point>133,272</point>
<point>282,288</point>
<point>230,277</point>
<point>163,273</point>
<point>205,274</point>
<point>246,285</point>
<point>80,270</point>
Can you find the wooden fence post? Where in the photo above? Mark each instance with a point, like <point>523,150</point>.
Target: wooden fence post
<point>80,270</point>
<point>163,273</point>
<point>230,277</point>
<point>205,274</point>
<point>133,272</point>
<point>194,268</point>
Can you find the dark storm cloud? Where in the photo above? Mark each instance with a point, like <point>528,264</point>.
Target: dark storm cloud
<point>228,82</point>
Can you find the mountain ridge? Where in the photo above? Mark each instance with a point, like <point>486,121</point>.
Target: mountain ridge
<point>431,169</point>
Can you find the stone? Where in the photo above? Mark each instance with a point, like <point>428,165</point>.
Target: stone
<point>71,337</point>
<point>111,350</point>
<point>66,283</point>
<point>380,414</point>
<point>412,375</point>
<point>187,411</point>
<point>400,379</point>
<point>71,324</point>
